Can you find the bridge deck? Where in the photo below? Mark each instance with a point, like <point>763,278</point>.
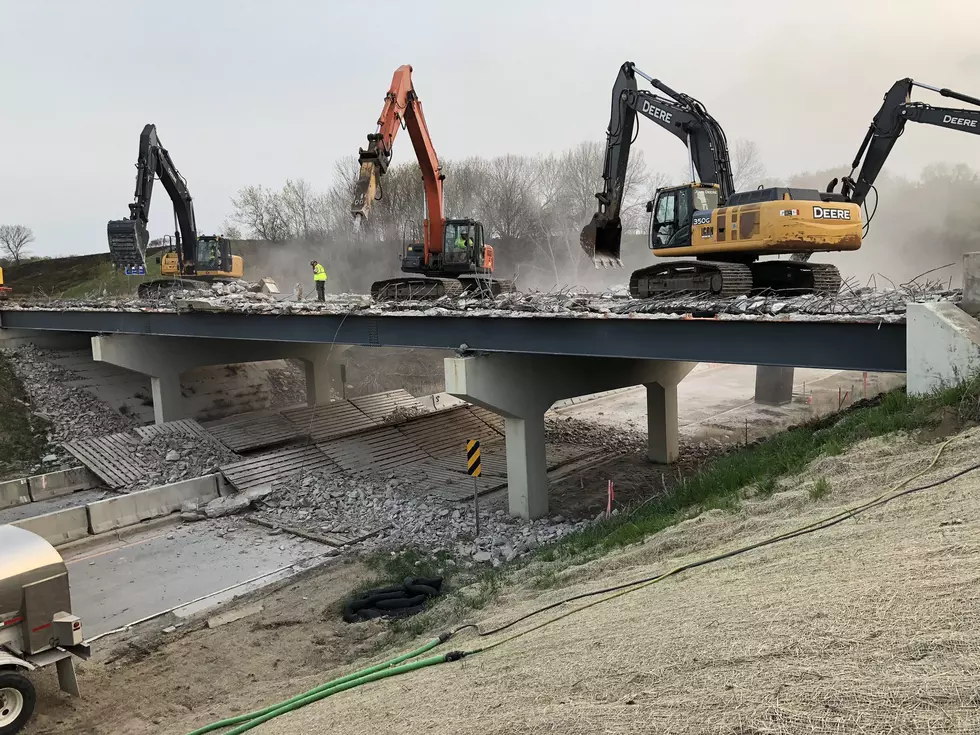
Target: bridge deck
<point>872,343</point>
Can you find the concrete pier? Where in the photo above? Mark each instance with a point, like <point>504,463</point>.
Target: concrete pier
<point>165,359</point>
<point>521,388</point>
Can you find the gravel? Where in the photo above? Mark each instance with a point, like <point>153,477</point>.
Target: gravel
<point>167,459</point>
<point>325,504</point>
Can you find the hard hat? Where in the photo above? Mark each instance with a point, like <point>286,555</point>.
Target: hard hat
<point>312,262</point>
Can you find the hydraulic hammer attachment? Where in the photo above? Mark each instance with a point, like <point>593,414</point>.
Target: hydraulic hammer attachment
<point>128,240</point>
<point>373,164</point>
<point>601,239</point>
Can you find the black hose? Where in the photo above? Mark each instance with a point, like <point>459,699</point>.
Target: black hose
<point>812,528</point>
<point>398,600</point>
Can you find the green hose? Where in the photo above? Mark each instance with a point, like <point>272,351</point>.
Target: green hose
<point>349,678</point>
<point>325,691</point>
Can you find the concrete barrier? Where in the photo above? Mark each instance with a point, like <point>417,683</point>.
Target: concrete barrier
<point>63,482</point>
<point>58,527</point>
<point>127,510</point>
<point>14,493</point>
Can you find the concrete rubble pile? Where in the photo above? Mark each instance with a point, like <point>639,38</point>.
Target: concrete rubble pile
<point>168,459</point>
<point>73,412</point>
<point>569,430</point>
<point>324,504</point>
<point>852,303</point>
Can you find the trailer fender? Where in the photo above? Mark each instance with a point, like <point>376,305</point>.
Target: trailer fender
<point>9,661</point>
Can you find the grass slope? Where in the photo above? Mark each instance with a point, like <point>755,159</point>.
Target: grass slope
<point>755,470</point>
<point>73,277</point>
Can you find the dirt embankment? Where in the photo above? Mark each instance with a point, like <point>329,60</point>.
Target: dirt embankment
<point>870,626</point>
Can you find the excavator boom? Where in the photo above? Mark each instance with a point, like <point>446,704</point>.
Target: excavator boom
<point>679,114</point>
<point>452,257</point>
<point>128,238</point>
<point>402,106</point>
<point>889,124</point>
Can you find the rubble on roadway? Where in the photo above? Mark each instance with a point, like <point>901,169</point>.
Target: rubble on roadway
<point>850,304</point>
<point>321,503</point>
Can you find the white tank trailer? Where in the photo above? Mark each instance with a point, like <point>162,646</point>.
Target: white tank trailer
<point>37,628</point>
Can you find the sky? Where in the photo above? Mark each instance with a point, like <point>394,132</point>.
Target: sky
<point>245,92</point>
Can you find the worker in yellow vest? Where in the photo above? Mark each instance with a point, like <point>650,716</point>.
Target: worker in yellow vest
<point>319,280</point>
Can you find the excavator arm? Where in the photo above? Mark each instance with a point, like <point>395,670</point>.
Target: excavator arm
<point>678,114</point>
<point>888,126</point>
<point>128,238</point>
<point>402,107</point>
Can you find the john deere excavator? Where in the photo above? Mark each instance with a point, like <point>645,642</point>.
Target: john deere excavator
<point>727,231</point>
<point>453,256</point>
<point>191,259</point>
<point>724,231</point>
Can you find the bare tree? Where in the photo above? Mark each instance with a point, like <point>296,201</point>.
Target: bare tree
<point>507,202</point>
<point>260,211</point>
<point>748,170</point>
<point>14,239</point>
<point>230,231</point>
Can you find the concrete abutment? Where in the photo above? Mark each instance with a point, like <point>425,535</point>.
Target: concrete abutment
<point>521,388</point>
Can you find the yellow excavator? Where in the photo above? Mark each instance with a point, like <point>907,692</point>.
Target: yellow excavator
<point>191,258</point>
<point>724,232</point>
<point>4,290</point>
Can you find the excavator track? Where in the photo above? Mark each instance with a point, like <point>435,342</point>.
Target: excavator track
<point>429,288</point>
<point>711,278</point>
<point>415,289</point>
<point>480,284</point>
<point>795,277</point>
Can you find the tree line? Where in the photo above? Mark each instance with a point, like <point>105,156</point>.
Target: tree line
<point>532,207</point>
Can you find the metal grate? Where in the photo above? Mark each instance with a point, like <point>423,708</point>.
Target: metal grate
<point>493,460</point>
<point>255,430</point>
<point>445,432</point>
<point>265,469</point>
<point>373,451</point>
<point>381,405</point>
<point>110,457</point>
<point>329,420</point>
<point>493,420</point>
<point>183,427</point>
<point>428,478</point>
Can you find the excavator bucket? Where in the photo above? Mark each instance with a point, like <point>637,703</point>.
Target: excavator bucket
<point>601,240</point>
<point>127,242</point>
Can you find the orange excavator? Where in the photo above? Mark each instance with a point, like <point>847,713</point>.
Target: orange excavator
<point>453,257</point>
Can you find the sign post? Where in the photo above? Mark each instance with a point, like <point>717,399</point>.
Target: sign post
<point>474,470</point>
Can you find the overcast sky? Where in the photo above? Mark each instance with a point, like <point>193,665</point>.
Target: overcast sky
<point>252,92</point>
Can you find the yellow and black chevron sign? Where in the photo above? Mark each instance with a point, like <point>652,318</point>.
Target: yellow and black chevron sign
<point>473,458</point>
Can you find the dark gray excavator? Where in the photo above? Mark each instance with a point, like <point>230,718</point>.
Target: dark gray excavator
<point>191,258</point>
<point>682,116</point>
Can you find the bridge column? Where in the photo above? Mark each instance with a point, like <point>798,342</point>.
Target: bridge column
<point>774,385</point>
<point>521,388</point>
<point>168,400</point>
<point>165,359</point>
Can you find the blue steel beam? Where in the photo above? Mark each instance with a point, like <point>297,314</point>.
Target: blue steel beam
<point>871,346</point>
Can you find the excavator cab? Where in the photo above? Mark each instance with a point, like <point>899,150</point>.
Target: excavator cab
<point>463,249</point>
<point>675,212</point>
<point>213,255</point>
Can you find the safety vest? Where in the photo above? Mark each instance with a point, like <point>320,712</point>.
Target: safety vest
<point>318,273</point>
<point>460,242</point>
